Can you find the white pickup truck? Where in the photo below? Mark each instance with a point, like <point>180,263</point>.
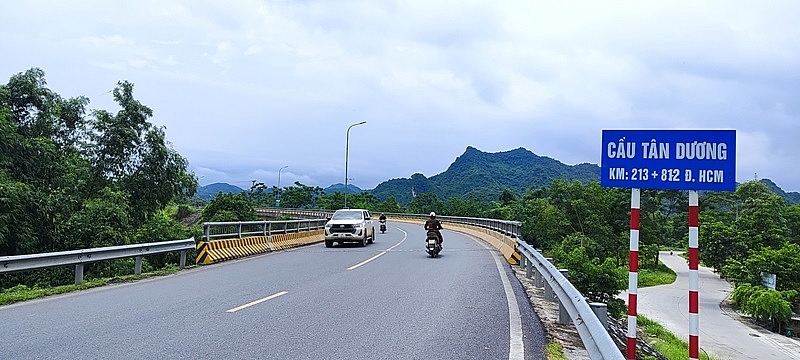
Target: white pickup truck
<point>350,225</point>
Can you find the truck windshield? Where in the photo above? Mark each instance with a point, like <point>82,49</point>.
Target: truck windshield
<point>346,215</point>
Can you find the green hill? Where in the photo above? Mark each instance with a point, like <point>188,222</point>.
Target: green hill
<point>209,191</point>
<point>485,175</point>
<point>339,187</point>
<point>791,197</point>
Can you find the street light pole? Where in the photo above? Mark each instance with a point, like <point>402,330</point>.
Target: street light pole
<point>346,157</point>
<point>278,197</point>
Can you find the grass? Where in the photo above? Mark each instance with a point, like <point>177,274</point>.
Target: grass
<point>23,293</point>
<point>554,351</point>
<point>664,341</point>
<point>659,275</point>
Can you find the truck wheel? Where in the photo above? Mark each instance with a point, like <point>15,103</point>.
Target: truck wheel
<point>328,243</point>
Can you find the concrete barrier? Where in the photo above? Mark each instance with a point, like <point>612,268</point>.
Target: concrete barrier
<point>213,251</point>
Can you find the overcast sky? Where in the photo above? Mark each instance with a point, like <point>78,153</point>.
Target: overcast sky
<point>247,87</point>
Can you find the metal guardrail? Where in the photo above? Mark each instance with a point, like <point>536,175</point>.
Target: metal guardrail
<point>594,335</point>
<point>217,230</point>
<point>84,256</point>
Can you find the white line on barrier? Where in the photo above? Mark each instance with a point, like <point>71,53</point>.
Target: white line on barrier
<point>405,236</point>
<point>259,301</point>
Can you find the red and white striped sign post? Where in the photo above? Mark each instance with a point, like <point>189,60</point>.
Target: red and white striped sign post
<point>668,160</point>
<point>633,273</point>
<point>694,283</point>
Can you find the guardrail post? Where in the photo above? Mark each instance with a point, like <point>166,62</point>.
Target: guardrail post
<point>78,273</point>
<point>540,277</point>
<point>529,268</point>
<point>206,231</point>
<point>601,311</point>
<point>522,260</point>
<point>548,292</point>
<point>137,265</point>
<point>239,230</point>
<point>183,259</point>
<point>563,315</point>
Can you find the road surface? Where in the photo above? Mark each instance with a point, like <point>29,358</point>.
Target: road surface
<point>721,335</point>
<point>384,301</point>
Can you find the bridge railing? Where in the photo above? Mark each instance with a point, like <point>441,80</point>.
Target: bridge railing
<point>84,256</point>
<point>238,229</point>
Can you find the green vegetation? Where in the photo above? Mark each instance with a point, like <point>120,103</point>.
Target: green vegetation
<point>664,341</point>
<point>24,293</point>
<point>654,276</point>
<point>554,351</point>
<point>765,305</point>
<point>73,178</point>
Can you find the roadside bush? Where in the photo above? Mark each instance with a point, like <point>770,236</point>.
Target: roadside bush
<point>598,281</point>
<point>768,306</point>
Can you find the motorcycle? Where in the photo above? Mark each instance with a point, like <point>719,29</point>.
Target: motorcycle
<point>432,245</point>
<point>383,226</point>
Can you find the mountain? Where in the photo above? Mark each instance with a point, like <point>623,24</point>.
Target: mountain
<point>207,192</point>
<point>485,175</point>
<point>351,189</point>
<point>791,197</point>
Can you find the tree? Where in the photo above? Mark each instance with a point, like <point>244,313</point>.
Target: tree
<point>543,225</point>
<point>461,207</point>
<point>390,205</point>
<point>68,181</point>
<point>720,242</point>
<point>159,178</point>
<point>334,201</point>
<point>425,203</point>
<point>761,217</point>
<point>766,305</point>
<point>133,155</point>
<point>300,196</point>
<point>229,207</point>
<point>599,280</point>
<point>793,222</point>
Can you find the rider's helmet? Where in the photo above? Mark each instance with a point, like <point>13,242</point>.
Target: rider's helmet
<point>433,214</point>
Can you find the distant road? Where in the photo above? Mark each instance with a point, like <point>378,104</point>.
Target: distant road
<point>723,337</point>
<point>385,301</point>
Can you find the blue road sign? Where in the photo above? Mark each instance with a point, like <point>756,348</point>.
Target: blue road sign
<point>669,159</point>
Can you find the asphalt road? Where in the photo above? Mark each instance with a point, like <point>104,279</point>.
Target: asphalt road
<point>721,335</point>
<point>386,301</point>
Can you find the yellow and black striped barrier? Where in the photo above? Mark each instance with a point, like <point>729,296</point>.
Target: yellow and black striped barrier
<point>213,251</point>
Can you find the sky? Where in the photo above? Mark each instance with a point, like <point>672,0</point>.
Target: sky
<point>247,87</point>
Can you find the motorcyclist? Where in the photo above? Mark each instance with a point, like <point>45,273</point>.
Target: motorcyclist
<point>382,218</point>
<point>434,225</point>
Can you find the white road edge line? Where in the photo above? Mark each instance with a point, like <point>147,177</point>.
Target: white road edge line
<point>259,301</point>
<point>356,266</point>
<point>516,349</point>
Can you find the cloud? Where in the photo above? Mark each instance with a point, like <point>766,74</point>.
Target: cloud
<point>250,86</point>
